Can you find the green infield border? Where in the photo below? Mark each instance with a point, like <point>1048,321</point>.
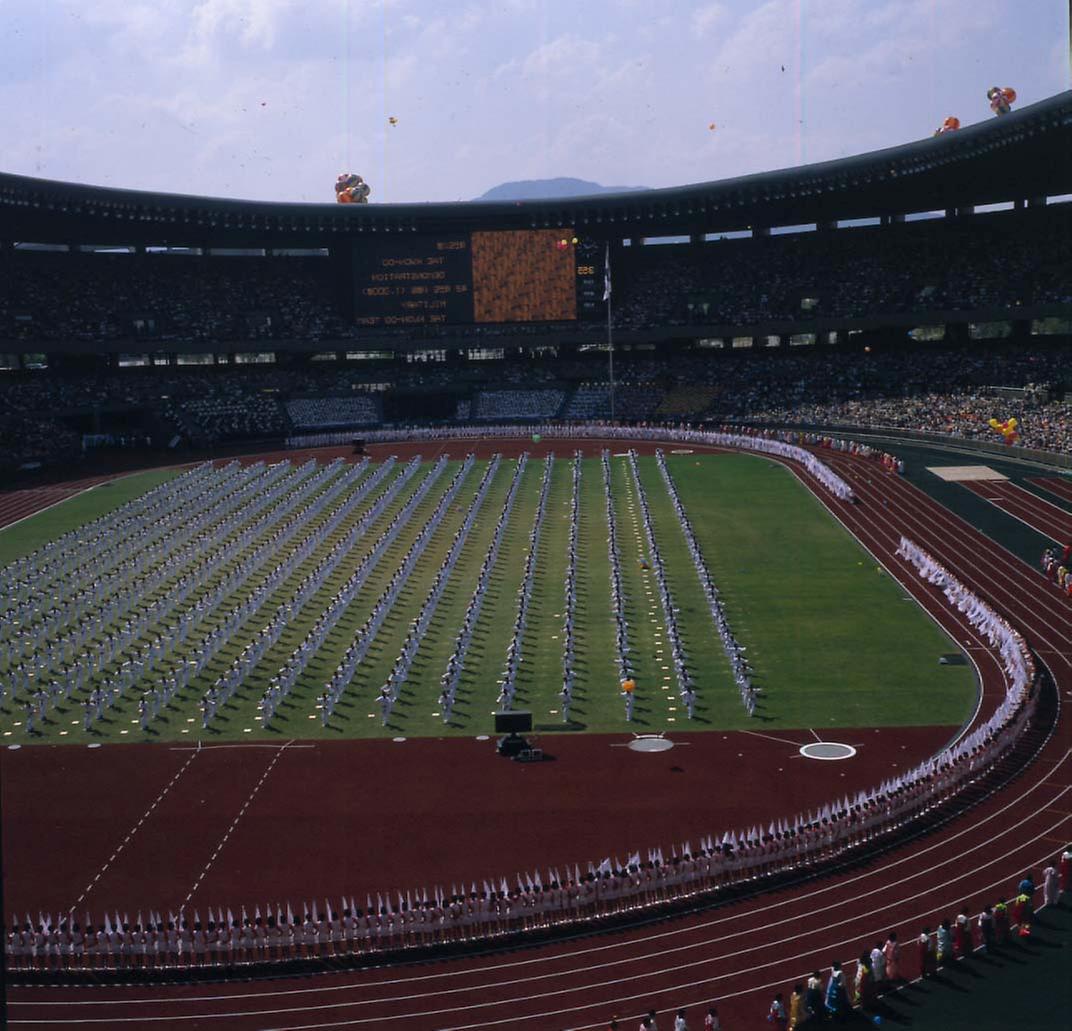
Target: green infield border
<point>38,529</point>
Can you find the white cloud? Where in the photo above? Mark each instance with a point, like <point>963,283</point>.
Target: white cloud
<point>272,98</point>
<point>706,19</point>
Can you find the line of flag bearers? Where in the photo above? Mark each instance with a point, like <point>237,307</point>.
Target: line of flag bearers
<point>277,933</point>
<point>783,443</point>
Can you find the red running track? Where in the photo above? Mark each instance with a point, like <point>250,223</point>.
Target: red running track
<point>1061,486</point>
<point>19,503</point>
<point>738,954</point>
<point>386,816</point>
<point>1047,518</point>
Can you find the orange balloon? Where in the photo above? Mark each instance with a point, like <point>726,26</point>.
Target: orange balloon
<point>1010,94</point>
<point>628,686</point>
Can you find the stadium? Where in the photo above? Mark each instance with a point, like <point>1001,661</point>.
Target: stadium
<point>730,497</point>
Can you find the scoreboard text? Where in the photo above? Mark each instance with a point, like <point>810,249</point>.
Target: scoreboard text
<point>503,276</point>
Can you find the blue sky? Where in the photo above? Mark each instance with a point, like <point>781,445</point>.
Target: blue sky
<point>270,99</point>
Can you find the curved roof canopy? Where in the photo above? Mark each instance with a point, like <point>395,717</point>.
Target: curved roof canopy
<point>1027,153</point>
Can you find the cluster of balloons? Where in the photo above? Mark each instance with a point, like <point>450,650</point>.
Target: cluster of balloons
<point>350,188</point>
<point>1007,429</point>
<point>1001,99</point>
<point>563,244</point>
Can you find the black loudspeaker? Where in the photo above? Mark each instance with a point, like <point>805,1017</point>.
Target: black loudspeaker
<point>516,722</point>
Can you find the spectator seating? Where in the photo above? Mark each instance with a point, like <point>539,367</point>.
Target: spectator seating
<point>327,412</point>
<point>493,405</point>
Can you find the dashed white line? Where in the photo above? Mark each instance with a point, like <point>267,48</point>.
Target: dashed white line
<point>170,784</point>
<point>234,823</point>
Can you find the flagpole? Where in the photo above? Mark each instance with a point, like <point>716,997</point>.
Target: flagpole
<point>610,335</point>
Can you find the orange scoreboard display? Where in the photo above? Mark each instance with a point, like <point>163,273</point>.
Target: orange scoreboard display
<point>499,276</point>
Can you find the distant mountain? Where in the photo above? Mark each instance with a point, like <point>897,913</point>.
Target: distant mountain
<point>543,189</point>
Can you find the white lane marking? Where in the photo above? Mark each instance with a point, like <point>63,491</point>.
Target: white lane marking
<point>170,784</point>
<point>234,823</point>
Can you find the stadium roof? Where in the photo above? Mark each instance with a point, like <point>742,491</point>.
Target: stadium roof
<point>1025,154</point>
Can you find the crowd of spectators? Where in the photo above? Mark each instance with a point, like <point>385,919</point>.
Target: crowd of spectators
<point>753,382</point>
<point>328,412</point>
<point>496,405</point>
<point>29,441</point>
<point>989,262</point>
<point>236,415</point>
<point>948,390</point>
<point>169,298</point>
<point>1047,427</point>
<point>633,401</point>
<point>851,273</point>
<point>954,389</point>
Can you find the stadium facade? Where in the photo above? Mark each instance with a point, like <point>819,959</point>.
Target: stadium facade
<point>942,241</point>
<point>1020,161</point>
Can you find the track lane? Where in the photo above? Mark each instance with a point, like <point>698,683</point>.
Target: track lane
<point>747,941</point>
<point>1059,486</point>
<point>1035,512</point>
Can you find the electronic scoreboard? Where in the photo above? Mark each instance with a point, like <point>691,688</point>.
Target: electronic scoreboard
<point>499,276</point>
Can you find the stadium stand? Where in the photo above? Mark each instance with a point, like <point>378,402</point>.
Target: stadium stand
<point>921,387</point>
<point>175,299</point>
<point>236,313</point>
<point>687,400</point>
<point>495,405</point>
<point>326,412</point>
<point>632,401</point>
<point>233,416</point>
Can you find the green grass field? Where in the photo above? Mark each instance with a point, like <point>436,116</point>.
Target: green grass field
<point>833,642</point>
<point>27,536</point>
